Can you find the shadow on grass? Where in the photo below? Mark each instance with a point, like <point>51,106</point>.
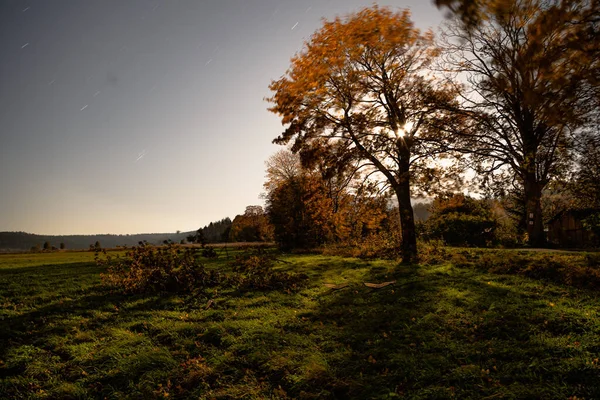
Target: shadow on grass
<point>450,334</point>
<point>47,312</point>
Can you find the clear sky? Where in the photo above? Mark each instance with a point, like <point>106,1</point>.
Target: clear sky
<point>145,116</point>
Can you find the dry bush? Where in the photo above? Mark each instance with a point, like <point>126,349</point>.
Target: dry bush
<point>173,268</point>
<point>255,270</point>
<point>384,244</point>
<point>158,269</point>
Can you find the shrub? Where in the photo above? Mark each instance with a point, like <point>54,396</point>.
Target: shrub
<point>255,270</point>
<point>383,243</point>
<point>209,252</point>
<point>432,252</point>
<point>158,269</point>
<point>175,269</point>
<point>461,220</point>
<point>573,270</point>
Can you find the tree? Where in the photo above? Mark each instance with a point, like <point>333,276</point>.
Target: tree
<point>217,231</point>
<point>62,246</point>
<point>97,245</point>
<point>585,183</point>
<point>252,226</point>
<point>300,212</point>
<point>47,246</point>
<point>198,237</point>
<point>584,187</point>
<point>529,92</point>
<point>281,166</point>
<point>359,94</point>
<point>311,206</point>
<point>475,12</point>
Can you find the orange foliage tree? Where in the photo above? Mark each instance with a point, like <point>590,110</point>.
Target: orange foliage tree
<point>360,91</point>
<point>252,226</point>
<point>309,207</point>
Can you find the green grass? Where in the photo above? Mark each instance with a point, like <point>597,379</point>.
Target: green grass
<point>440,332</point>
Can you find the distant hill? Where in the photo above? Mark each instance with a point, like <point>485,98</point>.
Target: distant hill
<point>215,232</point>
<point>20,241</point>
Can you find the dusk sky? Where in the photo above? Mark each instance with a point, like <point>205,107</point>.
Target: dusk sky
<point>145,116</point>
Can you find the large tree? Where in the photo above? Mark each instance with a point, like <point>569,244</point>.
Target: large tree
<point>529,90</point>
<point>474,12</point>
<point>360,93</point>
<point>585,182</point>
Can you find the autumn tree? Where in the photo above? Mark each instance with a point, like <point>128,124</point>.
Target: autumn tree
<point>313,205</point>
<point>296,202</point>
<point>529,92</point>
<point>252,226</point>
<point>300,212</point>
<point>360,90</point>
<point>281,166</point>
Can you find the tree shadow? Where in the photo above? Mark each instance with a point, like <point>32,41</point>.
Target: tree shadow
<point>90,309</point>
<point>447,335</point>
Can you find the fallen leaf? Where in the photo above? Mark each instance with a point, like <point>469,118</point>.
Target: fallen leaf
<point>379,285</point>
<point>334,286</point>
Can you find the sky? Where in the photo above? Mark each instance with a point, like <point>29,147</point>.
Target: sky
<point>145,116</point>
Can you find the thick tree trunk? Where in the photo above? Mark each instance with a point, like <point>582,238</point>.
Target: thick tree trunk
<point>533,210</point>
<point>407,219</point>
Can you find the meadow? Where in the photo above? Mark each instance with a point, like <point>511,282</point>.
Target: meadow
<point>444,330</point>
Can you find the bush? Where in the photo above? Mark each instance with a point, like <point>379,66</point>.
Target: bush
<point>209,252</point>
<point>384,242</point>
<point>255,270</point>
<point>461,220</point>
<point>175,269</point>
<point>432,252</point>
<point>158,269</point>
<point>573,270</point>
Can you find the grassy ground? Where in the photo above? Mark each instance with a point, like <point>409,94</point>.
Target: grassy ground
<point>440,332</point>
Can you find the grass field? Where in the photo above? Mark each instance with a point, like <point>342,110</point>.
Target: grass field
<point>440,332</point>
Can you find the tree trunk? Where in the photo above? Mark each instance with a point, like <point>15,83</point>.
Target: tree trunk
<point>533,210</point>
<point>407,219</point>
